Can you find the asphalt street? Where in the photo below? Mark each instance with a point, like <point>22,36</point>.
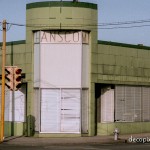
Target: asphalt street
<point>120,146</point>
<point>125,142</point>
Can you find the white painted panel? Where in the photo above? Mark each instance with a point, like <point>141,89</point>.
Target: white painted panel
<point>70,110</point>
<point>50,110</point>
<point>84,110</point>
<point>8,105</point>
<point>37,37</point>
<point>85,37</point>
<point>119,102</point>
<point>128,103</point>
<point>20,103</point>
<point>85,66</point>
<point>36,65</point>
<point>146,104</point>
<point>61,65</point>
<point>107,105</point>
<point>59,37</point>
<point>15,103</point>
<point>137,104</point>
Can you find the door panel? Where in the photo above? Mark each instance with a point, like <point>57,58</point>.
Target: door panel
<point>60,110</point>
<point>70,111</point>
<point>50,110</point>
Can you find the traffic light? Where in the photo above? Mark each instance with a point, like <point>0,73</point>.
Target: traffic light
<point>9,77</point>
<point>17,78</point>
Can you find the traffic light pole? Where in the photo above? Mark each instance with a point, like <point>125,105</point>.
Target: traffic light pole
<point>3,82</point>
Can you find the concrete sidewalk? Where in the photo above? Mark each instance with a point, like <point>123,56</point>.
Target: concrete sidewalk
<point>34,141</point>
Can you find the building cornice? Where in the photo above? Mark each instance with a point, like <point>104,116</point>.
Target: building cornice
<point>61,4</point>
<point>124,45</point>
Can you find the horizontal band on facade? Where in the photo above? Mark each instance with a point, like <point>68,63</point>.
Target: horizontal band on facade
<point>99,42</point>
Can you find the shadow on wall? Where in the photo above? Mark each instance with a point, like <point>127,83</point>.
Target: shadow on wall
<point>30,125</point>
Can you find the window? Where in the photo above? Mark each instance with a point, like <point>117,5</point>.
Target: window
<point>146,104</point>
<point>124,104</point>
<point>132,103</point>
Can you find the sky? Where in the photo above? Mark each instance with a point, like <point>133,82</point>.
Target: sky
<point>109,11</point>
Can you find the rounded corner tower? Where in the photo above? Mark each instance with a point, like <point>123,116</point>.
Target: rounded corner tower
<point>62,39</point>
<point>62,15</point>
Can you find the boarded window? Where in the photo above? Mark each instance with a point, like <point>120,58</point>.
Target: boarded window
<point>132,103</point>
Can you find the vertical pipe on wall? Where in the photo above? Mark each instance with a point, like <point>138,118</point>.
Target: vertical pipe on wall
<point>13,98</point>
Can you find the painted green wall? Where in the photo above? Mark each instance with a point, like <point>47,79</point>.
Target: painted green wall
<point>14,129</point>
<point>15,56</point>
<point>120,63</point>
<point>123,64</point>
<point>124,128</point>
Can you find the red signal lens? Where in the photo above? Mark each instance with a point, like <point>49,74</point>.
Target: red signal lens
<point>18,71</point>
<point>19,86</point>
<point>18,78</point>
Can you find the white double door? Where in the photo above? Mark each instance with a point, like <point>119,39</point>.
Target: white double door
<point>60,110</point>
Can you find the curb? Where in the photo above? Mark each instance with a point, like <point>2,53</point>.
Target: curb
<point>57,141</point>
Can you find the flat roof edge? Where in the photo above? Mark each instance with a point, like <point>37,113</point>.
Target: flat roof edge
<point>61,4</point>
<point>14,42</point>
<point>123,45</point>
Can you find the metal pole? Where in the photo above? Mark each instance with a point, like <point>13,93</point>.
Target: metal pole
<point>3,81</point>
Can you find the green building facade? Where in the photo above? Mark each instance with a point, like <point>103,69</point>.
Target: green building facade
<point>75,85</point>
